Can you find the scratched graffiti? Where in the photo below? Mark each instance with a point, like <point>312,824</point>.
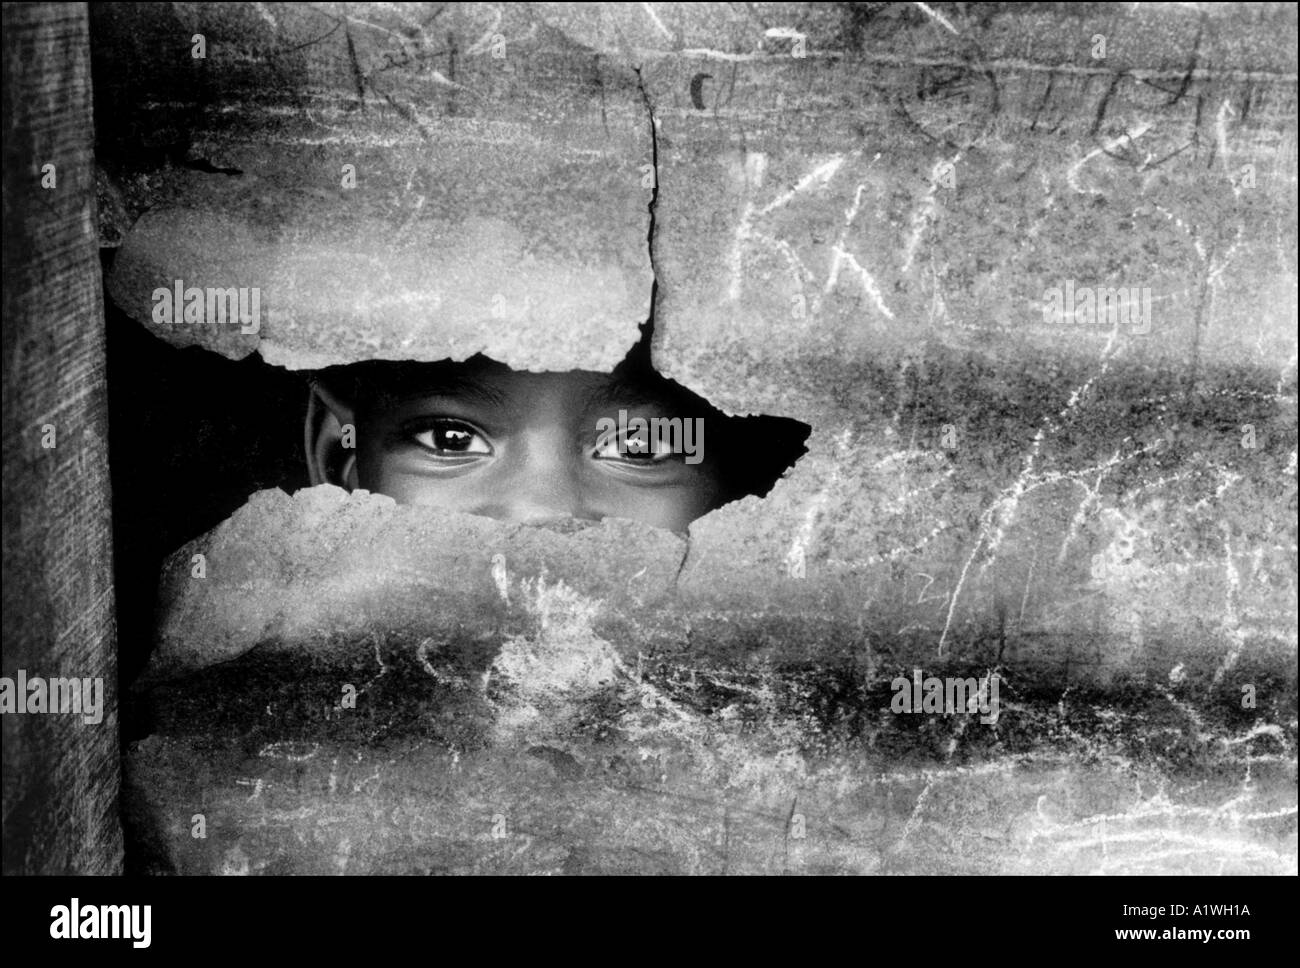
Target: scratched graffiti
<point>705,770</point>
<point>853,214</point>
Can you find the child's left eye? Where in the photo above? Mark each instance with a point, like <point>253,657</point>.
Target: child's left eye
<point>451,438</point>
<point>638,448</point>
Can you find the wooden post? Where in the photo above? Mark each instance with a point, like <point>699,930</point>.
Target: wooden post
<point>61,772</point>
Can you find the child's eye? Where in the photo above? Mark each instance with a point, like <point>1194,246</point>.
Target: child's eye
<point>451,438</point>
<point>639,448</point>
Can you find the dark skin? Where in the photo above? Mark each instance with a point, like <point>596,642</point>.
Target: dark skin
<point>481,438</point>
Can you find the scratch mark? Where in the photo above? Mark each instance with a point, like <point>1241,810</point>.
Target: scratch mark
<point>925,213</point>
<point>485,39</point>
<point>818,177</point>
<point>654,18</point>
<point>869,286</point>
<point>796,556</point>
<point>1072,176</point>
<point>938,17</point>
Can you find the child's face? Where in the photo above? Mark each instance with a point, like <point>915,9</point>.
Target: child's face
<point>481,438</point>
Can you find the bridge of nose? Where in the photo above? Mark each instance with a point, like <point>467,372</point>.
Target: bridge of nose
<point>546,478</point>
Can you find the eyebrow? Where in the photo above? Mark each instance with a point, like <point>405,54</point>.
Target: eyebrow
<point>451,385</point>
<point>628,390</point>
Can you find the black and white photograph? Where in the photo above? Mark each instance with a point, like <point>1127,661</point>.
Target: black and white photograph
<point>679,439</point>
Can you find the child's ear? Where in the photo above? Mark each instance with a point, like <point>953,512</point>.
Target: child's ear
<point>330,438</point>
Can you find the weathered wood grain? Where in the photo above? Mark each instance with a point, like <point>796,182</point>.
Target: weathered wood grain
<point>60,773</point>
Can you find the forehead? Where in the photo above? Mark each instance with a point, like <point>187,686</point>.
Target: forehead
<point>493,384</point>
<point>506,385</point>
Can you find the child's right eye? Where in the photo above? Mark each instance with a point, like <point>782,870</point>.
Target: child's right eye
<point>451,438</point>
